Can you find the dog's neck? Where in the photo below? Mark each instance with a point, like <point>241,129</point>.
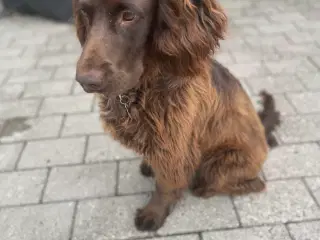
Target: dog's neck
<point>126,106</point>
<point>114,109</point>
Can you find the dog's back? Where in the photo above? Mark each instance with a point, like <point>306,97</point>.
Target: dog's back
<point>227,84</point>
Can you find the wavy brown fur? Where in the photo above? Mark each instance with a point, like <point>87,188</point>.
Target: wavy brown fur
<point>188,116</point>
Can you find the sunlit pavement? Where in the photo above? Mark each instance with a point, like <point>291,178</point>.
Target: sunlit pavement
<point>61,178</point>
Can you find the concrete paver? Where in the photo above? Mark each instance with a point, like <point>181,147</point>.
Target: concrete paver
<point>79,182</point>
<point>37,222</point>
<point>262,233</point>
<point>48,153</point>
<point>62,178</point>
<point>305,231</point>
<point>104,148</point>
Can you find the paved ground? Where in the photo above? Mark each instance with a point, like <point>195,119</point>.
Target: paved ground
<point>62,178</point>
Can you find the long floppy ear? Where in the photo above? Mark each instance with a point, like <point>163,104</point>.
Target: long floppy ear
<point>187,31</point>
<point>79,23</point>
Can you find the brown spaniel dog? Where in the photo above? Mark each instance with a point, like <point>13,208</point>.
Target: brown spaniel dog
<point>160,93</point>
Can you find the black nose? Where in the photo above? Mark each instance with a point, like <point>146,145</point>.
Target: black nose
<point>89,82</point>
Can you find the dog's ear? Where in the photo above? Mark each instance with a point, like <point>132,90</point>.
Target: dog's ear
<point>79,23</point>
<point>187,30</point>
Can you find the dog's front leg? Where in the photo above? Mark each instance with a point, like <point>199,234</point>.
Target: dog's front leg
<point>171,180</point>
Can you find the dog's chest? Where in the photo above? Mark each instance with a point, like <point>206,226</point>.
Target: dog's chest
<point>137,127</point>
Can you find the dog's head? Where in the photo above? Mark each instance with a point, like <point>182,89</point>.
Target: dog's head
<point>121,38</point>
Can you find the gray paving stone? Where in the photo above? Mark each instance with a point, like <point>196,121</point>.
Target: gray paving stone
<point>9,155</point>
<point>82,124</point>
<point>109,218</point>
<point>36,51</point>
<point>310,25</point>
<point>275,84</point>
<point>245,30</point>
<point>182,237</point>
<point>39,222</point>
<point>31,129</point>
<point>67,104</point>
<point>23,108</point>
<point>316,60</point>
<point>48,89</point>
<point>16,63</point>
<point>34,40</point>
<point>11,52</point>
<point>77,89</point>
<point>224,58</point>
<point>33,75</point>
<point>58,60</point>
<point>232,44</point>
<point>290,66</point>
<point>11,91</point>
<point>104,148</point>
<point>298,50</point>
<point>21,187</point>
<point>298,37</point>
<point>276,28</point>
<point>305,231</point>
<point>261,20</point>
<point>314,185</point>
<point>248,70</point>
<point>287,17</point>
<point>73,47</point>
<point>306,102</point>
<point>52,152</point>
<point>266,41</point>
<point>81,182</point>
<point>311,80</point>
<point>295,129</point>
<point>291,161</point>
<point>67,73</point>
<point>255,56</point>
<point>3,77</point>
<point>131,180</point>
<point>283,201</point>
<point>256,233</point>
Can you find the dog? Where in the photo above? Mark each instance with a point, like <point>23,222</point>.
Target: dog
<point>161,94</point>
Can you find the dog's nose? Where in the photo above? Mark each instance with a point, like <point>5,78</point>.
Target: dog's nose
<point>89,81</point>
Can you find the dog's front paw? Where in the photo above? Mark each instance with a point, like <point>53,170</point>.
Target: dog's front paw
<point>149,220</point>
<point>146,170</point>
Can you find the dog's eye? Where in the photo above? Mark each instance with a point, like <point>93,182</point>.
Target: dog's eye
<point>128,16</point>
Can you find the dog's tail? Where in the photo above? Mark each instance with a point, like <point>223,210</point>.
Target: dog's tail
<point>270,117</point>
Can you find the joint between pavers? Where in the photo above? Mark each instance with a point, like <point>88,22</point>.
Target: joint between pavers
<point>20,156</point>
<point>75,210</point>
<point>309,58</point>
<point>288,231</point>
<point>236,211</point>
<point>37,115</point>
<point>6,77</point>
<point>45,185</point>
<point>64,119</point>
<point>85,149</point>
<point>290,103</point>
<point>117,176</point>
<point>310,192</point>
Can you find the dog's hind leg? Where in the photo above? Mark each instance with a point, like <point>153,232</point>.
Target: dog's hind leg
<point>228,172</point>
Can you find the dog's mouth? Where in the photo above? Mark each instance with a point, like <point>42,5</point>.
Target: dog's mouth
<point>92,88</point>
